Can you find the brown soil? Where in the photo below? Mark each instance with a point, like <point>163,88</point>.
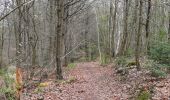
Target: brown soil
<point>95,82</point>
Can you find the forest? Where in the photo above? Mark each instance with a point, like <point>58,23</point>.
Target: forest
<point>84,49</point>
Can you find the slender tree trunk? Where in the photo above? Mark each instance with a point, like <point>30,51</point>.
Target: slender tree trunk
<point>169,27</point>
<point>66,14</point>
<point>147,25</point>
<point>114,28</point>
<point>51,28</point>
<point>60,38</point>
<point>98,37</point>
<point>34,42</point>
<point>34,56</point>
<point>125,30</point>
<point>135,23</point>
<point>9,40</point>
<point>18,37</point>
<point>137,53</point>
<point>110,28</point>
<point>112,23</point>
<point>1,46</point>
<point>86,36</point>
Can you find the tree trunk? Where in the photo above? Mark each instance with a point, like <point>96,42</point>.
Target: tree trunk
<point>169,27</point>
<point>66,15</point>
<point>60,38</point>
<point>137,54</point>
<point>98,36</point>
<point>1,47</point>
<point>86,36</point>
<point>112,27</point>
<point>125,30</point>
<point>18,33</point>
<point>18,37</point>
<point>51,32</point>
<point>147,25</point>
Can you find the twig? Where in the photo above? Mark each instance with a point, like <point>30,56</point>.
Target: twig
<point>23,4</point>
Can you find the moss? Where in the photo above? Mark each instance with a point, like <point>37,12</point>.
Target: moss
<point>71,65</point>
<point>144,95</point>
<point>38,90</point>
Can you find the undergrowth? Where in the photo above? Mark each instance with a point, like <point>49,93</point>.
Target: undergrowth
<point>72,65</point>
<point>144,95</point>
<point>9,89</point>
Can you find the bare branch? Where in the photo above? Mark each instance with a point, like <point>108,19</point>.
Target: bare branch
<point>23,4</point>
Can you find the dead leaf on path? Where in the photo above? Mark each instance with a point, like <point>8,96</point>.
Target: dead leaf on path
<point>81,91</point>
<point>45,84</point>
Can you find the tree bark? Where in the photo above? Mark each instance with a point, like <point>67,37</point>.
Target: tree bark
<point>1,47</point>
<point>18,37</point>
<point>98,36</point>
<point>169,27</point>
<point>86,36</point>
<point>60,38</point>
<point>51,32</point>
<point>137,54</point>
<point>147,25</point>
<point>18,32</point>
<point>125,30</point>
<point>112,22</point>
<point>110,27</point>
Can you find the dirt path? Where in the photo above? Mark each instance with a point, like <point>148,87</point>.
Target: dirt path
<point>95,82</point>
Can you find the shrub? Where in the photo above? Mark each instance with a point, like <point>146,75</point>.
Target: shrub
<point>144,95</point>
<point>9,93</point>
<point>159,70</point>
<point>160,52</point>
<point>158,73</point>
<point>2,72</point>
<point>156,69</point>
<point>129,52</point>
<point>9,89</point>
<point>162,35</point>
<point>121,61</point>
<point>105,59</point>
<point>124,61</point>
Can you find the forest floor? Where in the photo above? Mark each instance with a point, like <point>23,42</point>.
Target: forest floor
<point>90,81</point>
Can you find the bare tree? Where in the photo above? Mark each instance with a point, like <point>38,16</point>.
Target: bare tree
<point>19,46</point>
<point>169,27</point>
<point>125,30</point>
<point>1,47</point>
<point>60,38</point>
<point>147,24</point>
<point>137,52</point>
<point>113,15</point>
